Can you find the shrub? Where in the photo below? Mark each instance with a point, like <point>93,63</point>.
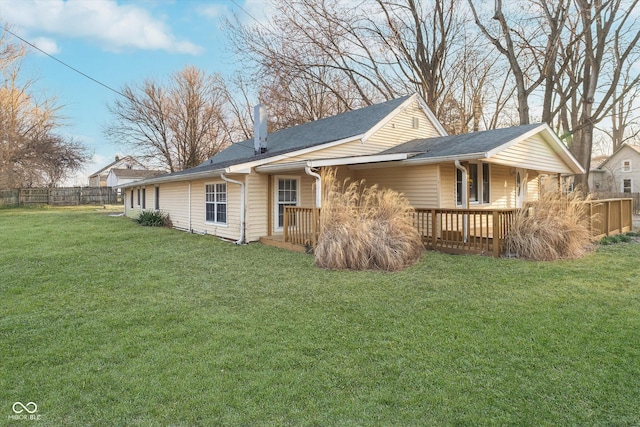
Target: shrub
<point>365,228</point>
<point>617,238</point>
<point>154,219</point>
<point>553,227</point>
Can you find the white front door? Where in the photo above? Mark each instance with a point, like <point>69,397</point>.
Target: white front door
<point>286,195</point>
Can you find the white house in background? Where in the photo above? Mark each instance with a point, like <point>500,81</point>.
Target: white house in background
<point>99,178</point>
<point>119,177</point>
<point>241,193</point>
<point>620,172</point>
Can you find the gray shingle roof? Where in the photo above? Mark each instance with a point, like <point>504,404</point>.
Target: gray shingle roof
<point>342,126</point>
<point>461,145</point>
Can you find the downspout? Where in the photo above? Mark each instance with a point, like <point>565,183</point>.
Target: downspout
<point>242,203</point>
<point>309,172</point>
<point>465,197</point>
<point>189,209</point>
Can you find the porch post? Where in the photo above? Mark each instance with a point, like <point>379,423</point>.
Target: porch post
<point>497,241</point>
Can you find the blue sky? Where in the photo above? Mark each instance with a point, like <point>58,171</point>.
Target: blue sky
<point>117,43</point>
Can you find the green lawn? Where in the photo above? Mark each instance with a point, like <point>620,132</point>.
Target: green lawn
<point>104,322</point>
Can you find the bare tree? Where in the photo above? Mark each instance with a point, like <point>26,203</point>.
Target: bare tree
<point>530,45</point>
<point>603,46</point>
<point>179,124</point>
<point>32,151</point>
<point>319,58</point>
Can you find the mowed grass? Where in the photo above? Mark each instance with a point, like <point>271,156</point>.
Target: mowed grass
<point>105,322</point>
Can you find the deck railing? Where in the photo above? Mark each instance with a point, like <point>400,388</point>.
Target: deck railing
<point>461,231</point>
<point>301,225</point>
<point>610,216</point>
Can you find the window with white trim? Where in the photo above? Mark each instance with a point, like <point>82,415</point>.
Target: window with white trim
<point>287,195</point>
<point>216,203</point>
<point>479,178</point>
<point>626,166</point>
<point>157,198</point>
<point>138,197</point>
<point>144,198</point>
<point>626,186</point>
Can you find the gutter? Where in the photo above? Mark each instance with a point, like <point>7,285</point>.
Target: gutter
<point>309,172</point>
<point>242,205</point>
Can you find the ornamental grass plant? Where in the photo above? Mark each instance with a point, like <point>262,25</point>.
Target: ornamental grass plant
<point>365,228</point>
<point>556,226</point>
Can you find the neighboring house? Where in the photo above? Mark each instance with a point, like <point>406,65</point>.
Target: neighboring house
<point>620,172</point>
<point>241,192</point>
<point>99,178</point>
<point>119,177</point>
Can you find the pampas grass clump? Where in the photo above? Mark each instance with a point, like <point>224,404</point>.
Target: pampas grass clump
<point>365,228</point>
<point>554,227</point>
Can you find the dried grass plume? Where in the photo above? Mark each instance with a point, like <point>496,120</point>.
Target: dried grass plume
<point>365,228</point>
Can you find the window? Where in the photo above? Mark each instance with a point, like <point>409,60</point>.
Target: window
<point>157,199</point>
<point>479,183</point>
<point>138,197</point>
<point>415,123</point>
<point>144,198</point>
<point>216,203</point>
<point>626,186</point>
<point>626,166</point>
<point>131,199</point>
<point>287,196</point>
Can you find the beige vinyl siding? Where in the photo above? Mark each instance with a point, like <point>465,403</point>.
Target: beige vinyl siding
<point>532,153</point>
<point>131,211</point>
<point>257,188</point>
<point>400,129</point>
<point>397,131</point>
<point>503,187</point>
<point>419,184</point>
<point>174,198</point>
<point>447,186</point>
<point>230,230</point>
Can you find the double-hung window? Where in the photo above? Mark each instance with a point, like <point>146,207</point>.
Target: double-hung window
<point>216,203</point>
<point>479,184</point>
<point>626,166</point>
<point>144,198</point>
<point>626,186</point>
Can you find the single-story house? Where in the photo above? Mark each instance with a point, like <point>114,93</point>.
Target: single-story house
<point>99,178</point>
<point>240,193</point>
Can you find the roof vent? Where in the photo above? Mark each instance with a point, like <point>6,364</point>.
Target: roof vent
<point>260,129</point>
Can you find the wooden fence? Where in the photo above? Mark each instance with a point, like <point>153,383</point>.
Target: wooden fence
<point>635,197</point>
<point>59,196</point>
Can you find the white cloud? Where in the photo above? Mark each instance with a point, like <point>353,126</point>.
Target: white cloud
<point>213,10</point>
<point>113,26</point>
<point>47,45</point>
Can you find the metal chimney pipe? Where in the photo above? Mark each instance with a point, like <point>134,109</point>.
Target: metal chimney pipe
<point>260,129</point>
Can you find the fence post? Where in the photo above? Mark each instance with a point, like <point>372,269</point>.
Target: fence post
<point>434,228</point>
<point>285,225</point>
<point>497,241</point>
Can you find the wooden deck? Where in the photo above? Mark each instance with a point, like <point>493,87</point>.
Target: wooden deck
<point>456,231</point>
<point>278,241</point>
